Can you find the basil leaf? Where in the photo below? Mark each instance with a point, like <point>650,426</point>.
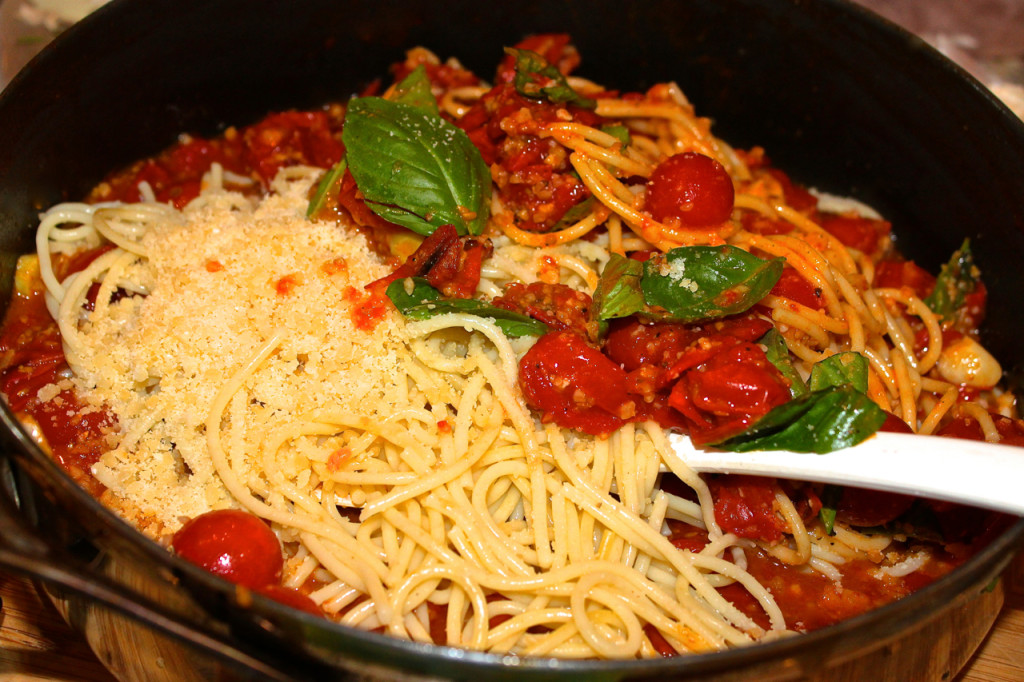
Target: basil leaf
<point>821,421</point>
<point>537,79</point>
<point>619,132</point>
<point>693,283</point>
<point>618,290</point>
<point>830,497</point>
<point>415,90</point>
<point>415,169</point>
<point>839,369</point>
<point>424,302</point>
<point>777,353</point>
<point>330,180</point>
<point>958,278</point>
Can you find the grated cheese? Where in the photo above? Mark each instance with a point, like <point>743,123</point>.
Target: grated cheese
<point>158,361</point>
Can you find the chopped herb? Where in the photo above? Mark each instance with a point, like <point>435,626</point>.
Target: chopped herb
<point>537,79</point>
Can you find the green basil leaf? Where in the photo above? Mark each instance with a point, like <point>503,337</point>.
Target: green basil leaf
<point>820,421</point>
<point>423,301</point>
<point>537,79</point>
<point>693,283</point>
<point>330,180</point>
<point>618,290</point>
<point>777,353</point>
<point>619,132</point>
<point>415,169</point>
<point>415,90</point>
<point>839,369</point>
<point>958,278</point>
<point>830,497</point>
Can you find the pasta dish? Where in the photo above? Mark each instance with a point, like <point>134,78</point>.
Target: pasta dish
<point>409,362</point>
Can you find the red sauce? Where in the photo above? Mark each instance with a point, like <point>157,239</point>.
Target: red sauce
<point>368,308</point>
<point>285,286</point>
<point>32,358</point>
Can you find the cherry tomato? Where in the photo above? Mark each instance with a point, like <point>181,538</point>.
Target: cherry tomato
<point>795,195</point>
<point>794,287</point>
<point>896,274</point>
<point>1011,431</point>
<point>737,381</point>
<point>233,544</point>
<point>856,232</point>
<point>867,508</point>
<point>291,597</point>
<point>691,189</point>
<point>728,391</point>
<point>574,385</point>
<point>557,305</point>
<point>894,424</point>
<point>632,343</point>
<point>745,505</point>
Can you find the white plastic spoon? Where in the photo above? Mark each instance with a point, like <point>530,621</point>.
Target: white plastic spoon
<point>965,471</point>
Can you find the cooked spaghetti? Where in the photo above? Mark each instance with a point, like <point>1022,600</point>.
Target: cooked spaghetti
<point>226,351</point>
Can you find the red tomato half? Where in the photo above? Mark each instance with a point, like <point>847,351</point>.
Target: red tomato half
<point>574,385</point>
<point>691,189</point>
<point>233,544</point>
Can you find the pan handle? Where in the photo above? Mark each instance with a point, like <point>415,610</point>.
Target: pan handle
<point>25,552</point>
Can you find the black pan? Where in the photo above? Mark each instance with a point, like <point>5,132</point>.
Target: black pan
<point>840,99</point>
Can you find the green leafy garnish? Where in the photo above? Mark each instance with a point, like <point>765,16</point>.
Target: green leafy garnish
<point>777,353</point>
<point>329,181</point>
<point>537,79</point>
<point>415,90</point>
<point>417,300</point>
<point>830,497</point>
<point>619,132</point>
<point>693,283</point>
<point>958,278</point>
<point>820,421</point>
<point>414,168</point>
<point>840,369</point>
<point>618,291</point>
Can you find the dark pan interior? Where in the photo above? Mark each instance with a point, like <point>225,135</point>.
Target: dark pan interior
<point>842,101</point>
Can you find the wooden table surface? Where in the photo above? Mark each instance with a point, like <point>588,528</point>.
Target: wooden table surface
<point>36,644</point>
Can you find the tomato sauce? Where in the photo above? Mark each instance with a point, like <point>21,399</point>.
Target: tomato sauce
<point>32,359</point>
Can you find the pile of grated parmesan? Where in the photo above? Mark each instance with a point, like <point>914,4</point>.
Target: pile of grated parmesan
<point>220,284</point>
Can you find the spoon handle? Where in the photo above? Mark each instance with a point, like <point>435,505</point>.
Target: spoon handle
<point>970,472</point>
